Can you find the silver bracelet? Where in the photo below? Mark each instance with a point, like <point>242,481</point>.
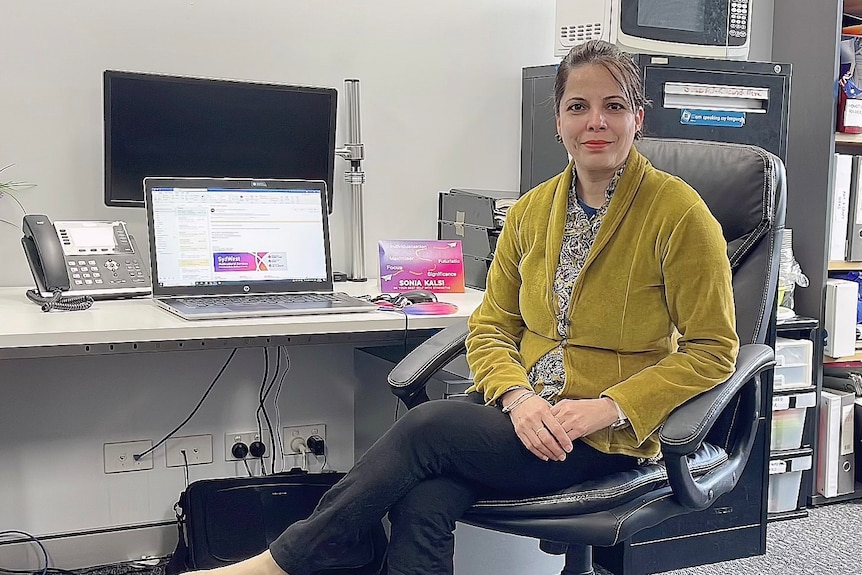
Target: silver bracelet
<point>518,401</point>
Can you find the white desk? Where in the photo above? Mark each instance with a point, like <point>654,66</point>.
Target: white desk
<point>125,326</point>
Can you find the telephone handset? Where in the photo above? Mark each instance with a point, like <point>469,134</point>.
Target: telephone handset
<point>39,235</point>
<point>82,260</point>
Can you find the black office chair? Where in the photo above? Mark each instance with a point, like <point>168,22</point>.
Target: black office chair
<point>707,441</point>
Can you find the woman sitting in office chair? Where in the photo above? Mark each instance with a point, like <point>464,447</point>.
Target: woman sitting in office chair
<point>573,347</point>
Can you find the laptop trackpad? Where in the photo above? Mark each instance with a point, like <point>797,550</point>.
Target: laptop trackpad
<point>307,305</point>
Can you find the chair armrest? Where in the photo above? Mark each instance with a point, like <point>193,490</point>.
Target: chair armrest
<point>687,427</point>
<point>408,378</point>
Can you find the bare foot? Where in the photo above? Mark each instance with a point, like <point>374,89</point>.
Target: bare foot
<point>262,564</point>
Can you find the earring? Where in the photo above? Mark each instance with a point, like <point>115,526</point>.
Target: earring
<point>559,139</point>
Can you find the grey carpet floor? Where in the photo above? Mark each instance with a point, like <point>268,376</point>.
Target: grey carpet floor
<point>827,542</point>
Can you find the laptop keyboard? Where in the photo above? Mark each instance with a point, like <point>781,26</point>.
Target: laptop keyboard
<point>254,300</point>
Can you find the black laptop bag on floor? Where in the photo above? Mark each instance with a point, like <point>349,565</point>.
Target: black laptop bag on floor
<point>222,521</point>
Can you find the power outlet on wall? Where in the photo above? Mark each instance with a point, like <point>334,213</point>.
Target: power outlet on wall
<point>120,456</point>
<point>296,437</point>
<point>246,437</point>
<point>189,450</point>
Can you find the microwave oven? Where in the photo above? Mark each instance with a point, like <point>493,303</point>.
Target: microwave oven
<point>718,29</point>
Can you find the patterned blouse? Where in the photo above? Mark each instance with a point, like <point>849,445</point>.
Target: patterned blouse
<point>578,236</point>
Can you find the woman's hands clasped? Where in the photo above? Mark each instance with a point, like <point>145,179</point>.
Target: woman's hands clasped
<point>548,430</point>
<point>539,430</point>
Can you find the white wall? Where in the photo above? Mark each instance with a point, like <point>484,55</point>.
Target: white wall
<point>439,83</point>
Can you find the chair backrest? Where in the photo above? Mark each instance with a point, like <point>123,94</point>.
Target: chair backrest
<point>745,189</point>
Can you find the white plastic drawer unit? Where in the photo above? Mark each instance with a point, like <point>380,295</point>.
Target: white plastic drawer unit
<point>785,476</point>
<point>788,419</point>
<point>793,363</point>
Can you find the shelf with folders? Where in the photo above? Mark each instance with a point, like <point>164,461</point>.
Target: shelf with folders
<point>845,232</point>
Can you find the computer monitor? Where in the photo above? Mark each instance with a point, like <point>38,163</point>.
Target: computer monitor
<point>157,125</point>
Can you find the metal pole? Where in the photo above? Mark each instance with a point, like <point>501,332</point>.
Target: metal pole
<point>354,152</point>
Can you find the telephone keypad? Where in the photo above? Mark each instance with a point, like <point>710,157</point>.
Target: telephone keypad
<point>109,272</point>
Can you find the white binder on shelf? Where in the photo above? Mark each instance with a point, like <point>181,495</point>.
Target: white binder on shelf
<point>854,214</point>
<point>840,206</point>
<point>835,464</point>
<point>840,317</point>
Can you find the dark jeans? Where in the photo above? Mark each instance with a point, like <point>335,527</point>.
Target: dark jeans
<point>426,471</point>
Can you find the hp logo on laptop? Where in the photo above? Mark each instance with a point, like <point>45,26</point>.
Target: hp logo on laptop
<point>258,184</point>
<point>245,289</point>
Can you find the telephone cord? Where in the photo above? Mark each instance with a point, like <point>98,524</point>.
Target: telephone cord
<point>59,302</point>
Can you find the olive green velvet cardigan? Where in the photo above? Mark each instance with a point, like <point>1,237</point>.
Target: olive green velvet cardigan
<point>652,319</point>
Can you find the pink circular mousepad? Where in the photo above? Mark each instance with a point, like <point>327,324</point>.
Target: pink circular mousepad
<point>430,308</point>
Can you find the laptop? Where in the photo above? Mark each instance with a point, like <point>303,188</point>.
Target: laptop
<point>227,248</point>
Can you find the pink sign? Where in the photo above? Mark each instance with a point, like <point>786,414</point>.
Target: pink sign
<point>433,265</point>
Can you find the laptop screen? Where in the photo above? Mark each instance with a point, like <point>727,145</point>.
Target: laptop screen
<point>223,236</point>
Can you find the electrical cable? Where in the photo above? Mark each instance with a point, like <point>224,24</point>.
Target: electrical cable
<point>277,378</point>
<point>247,468</point>
<point>194,411</point>
<point>282,349</point>
<point>260,398</point>
<point>185,466</point>
<point>34,539</point>
<point>278,448</point>
<point>59,302</point>
<point>265,388</point>
<point>266,393</point>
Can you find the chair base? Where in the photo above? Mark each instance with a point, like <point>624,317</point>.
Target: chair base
<point>579,560</point>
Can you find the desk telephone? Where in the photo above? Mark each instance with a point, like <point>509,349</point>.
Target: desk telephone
<point>75,262</point>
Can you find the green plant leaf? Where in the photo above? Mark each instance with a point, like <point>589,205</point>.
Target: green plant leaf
<point>10,186</point>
